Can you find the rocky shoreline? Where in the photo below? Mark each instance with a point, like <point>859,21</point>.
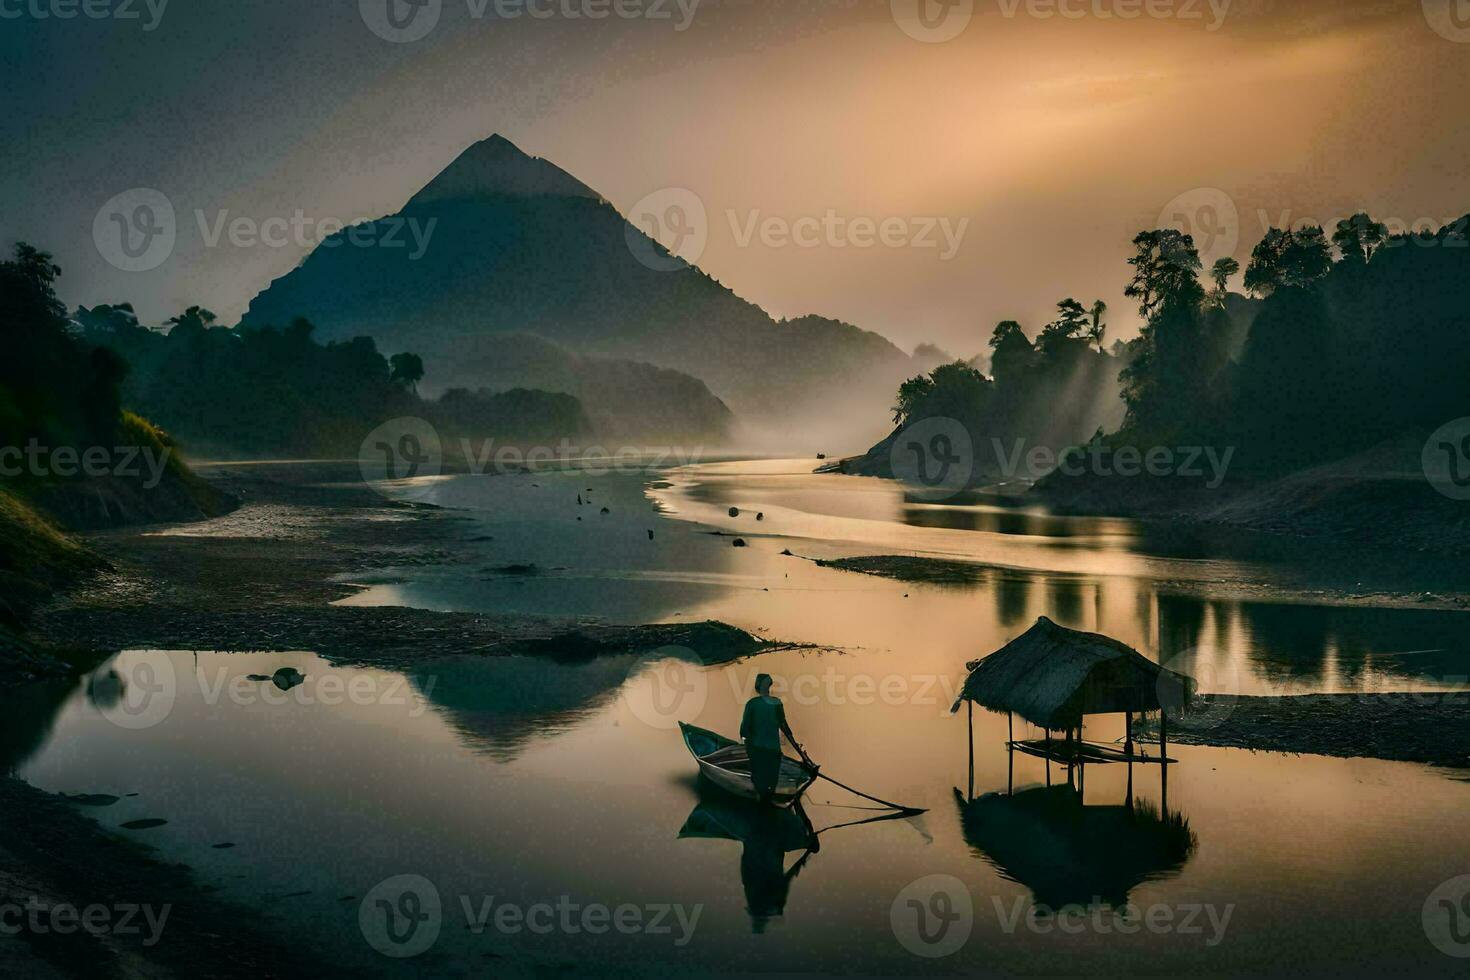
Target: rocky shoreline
<point>1432,728</point>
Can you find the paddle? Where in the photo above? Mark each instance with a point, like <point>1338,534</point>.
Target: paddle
<point>817,771</point>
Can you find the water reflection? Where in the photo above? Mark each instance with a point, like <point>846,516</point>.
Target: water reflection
<point>766,835</point>
<point>1071,853</point>
<point>30,714</point>
<point>499,705</point>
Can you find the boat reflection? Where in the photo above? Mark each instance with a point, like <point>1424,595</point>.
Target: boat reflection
<point>1071,853</point>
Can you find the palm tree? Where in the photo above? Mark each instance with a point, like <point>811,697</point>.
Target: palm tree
<point>1097,328</point>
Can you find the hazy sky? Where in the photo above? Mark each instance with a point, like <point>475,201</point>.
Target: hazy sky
<point>1042,140</point>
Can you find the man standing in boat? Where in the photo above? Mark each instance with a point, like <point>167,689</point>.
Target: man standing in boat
<point>761,728</point>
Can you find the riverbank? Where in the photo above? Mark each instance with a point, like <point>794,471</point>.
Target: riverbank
<point>1380,496</point>
<point>1432,728</point>
<point>148,918</point>
<point>265,576</point>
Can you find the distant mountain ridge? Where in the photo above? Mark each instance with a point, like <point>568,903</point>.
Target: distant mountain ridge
<point>519,247</point>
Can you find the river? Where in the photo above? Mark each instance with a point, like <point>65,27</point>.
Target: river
<point>548,815</point>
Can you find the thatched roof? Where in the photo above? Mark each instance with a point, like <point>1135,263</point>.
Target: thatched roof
<point>1052,676</point>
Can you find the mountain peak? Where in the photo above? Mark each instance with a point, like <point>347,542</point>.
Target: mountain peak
<point>496,167</point>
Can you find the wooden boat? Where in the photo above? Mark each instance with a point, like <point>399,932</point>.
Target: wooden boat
<point>1078,751</point>
<point>724,763</point>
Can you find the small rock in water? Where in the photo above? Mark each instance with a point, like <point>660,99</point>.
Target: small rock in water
<point>222,847</point>
<point>738,543</point>
<point>287,678</point>
<point>147,824</point>
<point>734,511</point>
<point>650,534</point>
<point>92,799</point>
<point>579,500</point>
<point>606,511</point>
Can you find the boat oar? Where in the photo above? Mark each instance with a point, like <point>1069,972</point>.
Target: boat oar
<point>817,771</point>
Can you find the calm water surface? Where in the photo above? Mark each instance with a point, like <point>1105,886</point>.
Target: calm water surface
<point>525,782</point>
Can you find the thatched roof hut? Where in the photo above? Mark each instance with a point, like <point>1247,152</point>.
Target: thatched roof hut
<point>1052,676</point>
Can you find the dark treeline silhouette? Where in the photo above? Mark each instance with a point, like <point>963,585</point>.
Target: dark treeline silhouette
<point>1054,392</point>
<point>1347,341</point>
<point>54,388</point>
<point>262,391</point>
<point>1357,339</point>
